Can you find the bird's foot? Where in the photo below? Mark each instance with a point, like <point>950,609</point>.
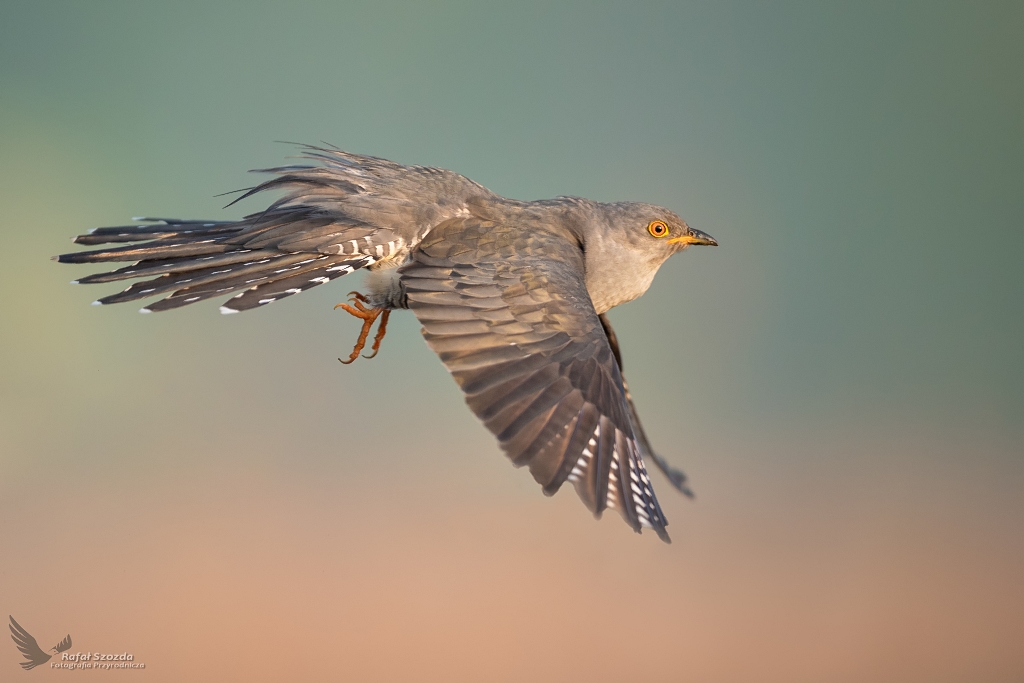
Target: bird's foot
<point>368,316</point>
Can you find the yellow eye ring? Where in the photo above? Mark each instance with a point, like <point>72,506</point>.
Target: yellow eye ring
<point>658,229</point>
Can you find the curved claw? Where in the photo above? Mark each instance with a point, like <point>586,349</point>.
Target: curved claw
<point>368,316</point>
<point>382,329</point>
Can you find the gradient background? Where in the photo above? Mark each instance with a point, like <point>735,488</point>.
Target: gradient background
<point>842,379</point>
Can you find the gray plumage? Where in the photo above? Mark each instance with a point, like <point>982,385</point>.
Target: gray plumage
<point>511,296</point>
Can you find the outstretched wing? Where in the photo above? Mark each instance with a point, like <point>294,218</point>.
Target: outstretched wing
<point>64,644</point>
<point>510,316</point>
<point>341,213</point>
<point>27,645</point>
<point>675,475</point>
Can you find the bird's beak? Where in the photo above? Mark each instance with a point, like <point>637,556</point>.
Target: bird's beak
<point>694,237</point>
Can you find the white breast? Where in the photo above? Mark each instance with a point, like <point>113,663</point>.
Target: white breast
<point>384,288</point>
<point>616,275</point>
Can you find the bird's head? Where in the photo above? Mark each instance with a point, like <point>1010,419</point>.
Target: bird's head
<point>625,244</point>
<point>653,230</point>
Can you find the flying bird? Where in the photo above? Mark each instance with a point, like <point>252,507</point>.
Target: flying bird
<point>512,296</point>
<point>30,648</point>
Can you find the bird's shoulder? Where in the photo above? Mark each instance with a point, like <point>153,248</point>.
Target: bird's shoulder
<point>496,228</point>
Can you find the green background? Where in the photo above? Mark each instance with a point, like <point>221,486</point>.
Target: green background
<point>842,378</point>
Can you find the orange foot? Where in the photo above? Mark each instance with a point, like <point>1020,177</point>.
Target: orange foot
<point>368,316</point>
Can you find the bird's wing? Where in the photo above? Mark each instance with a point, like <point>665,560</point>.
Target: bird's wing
<point>340,213</point>
<point>508,312</point>
<point>64,644</point>
<point>675,475</point>
<point>27,645</point>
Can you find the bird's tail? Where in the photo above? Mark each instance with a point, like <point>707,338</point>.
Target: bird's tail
<point>339,214</point>
<point>190,261</point>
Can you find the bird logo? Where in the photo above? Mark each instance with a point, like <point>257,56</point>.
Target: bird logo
<point>30,648</point>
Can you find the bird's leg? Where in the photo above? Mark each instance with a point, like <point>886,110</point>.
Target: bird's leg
<point>368,316</point>
<point>382,329</point>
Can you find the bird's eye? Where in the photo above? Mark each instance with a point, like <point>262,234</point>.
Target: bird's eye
<point>658,229</point>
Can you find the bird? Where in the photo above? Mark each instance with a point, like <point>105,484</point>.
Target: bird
<point>512,296</point>
<point>30,648</point>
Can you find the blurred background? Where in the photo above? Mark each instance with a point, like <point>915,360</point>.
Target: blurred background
<point>842,378</point>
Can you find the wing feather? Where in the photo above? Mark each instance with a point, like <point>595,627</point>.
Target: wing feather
<point>524,342</point>
<point>675,475</point>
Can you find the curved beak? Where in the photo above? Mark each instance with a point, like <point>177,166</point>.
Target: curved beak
<point>694,237</point>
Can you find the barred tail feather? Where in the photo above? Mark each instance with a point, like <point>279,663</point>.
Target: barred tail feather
<point>273,290</point>
<point>160,267</point>
<point>192,261</point>
<point>247,272</point>
<point>170,227</point>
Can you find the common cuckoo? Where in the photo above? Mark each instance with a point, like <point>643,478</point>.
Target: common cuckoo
<point>511,295</point>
